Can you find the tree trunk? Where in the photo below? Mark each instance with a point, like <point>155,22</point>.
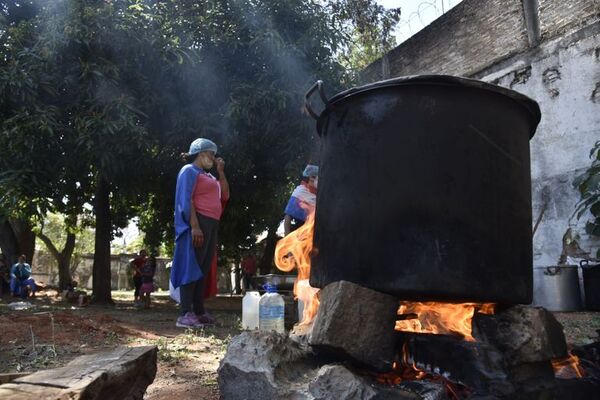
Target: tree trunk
<point>25,238</point>
<point>8,242</point>
<point>266,262</point>
<point>64,264</point>
<point>63,258</point>
<point>101,276</point>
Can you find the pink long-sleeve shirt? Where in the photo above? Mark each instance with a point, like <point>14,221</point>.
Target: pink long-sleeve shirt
<point>207,196</point>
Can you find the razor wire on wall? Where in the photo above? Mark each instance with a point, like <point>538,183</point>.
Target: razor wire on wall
<point>425,13</point>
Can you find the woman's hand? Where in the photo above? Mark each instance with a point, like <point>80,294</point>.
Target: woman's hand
<point>197,237</point>
<point>220,165</point>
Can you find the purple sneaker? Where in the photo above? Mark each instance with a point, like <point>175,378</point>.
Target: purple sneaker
<point>206,319</point>
<point>189,320</point>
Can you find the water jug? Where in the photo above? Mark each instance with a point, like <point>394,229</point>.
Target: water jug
<point>250,310</point>
<point>271,310</point>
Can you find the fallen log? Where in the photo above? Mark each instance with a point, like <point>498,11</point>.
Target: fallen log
<point>7,378</point>
<point>122,373</point>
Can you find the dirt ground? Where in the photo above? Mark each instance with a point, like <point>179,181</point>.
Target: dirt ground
<point>53,332</point>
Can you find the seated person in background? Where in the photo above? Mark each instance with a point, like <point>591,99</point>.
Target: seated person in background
<point>21,282</point>
<point>303,200</point>
<point>147,272</point>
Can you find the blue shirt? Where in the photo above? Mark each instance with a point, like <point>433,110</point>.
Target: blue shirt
<point>21,271</point>
<point>301,203</point>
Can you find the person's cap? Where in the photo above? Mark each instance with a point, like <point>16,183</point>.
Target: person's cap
<point>311,170</point>
<point>200,145</point>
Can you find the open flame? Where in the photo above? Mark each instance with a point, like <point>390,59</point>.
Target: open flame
<point>568,367</point>
<point>293,251</point>
<point>440,318</point>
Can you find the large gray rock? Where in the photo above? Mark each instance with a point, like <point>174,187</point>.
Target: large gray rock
<point>263,366</point>
<point>338,382</point>
<point>335,381</point>
<point>301,334</point>
<point>357,323</point>
<point>532,377</point>
<point>523,334</point>
<point>266,365</point>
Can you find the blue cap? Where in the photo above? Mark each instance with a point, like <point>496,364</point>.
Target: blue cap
<point>201,144</point>
<point>270,288</point>
<point>311,170</point>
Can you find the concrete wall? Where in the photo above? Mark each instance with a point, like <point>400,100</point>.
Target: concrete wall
<point>559,17</point>
<point>479,33</point>
<point>45,270</point>
<point>562,75</point>
<point>469,37</point>
<point>546,49</point>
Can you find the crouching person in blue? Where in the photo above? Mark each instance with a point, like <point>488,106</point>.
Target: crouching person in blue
<point>21,282</point>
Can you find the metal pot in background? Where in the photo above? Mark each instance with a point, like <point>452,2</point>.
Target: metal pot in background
<point>557,288</point>
<point>591,284</point>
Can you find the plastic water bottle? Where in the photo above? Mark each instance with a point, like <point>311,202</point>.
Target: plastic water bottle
<point>271,310</point>
<point>250,310</point>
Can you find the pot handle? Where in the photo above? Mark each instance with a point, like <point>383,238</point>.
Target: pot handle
<point>584,263</point>
<point>552,271</point>
<point>317,86</point>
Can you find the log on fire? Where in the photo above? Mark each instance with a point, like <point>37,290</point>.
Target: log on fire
<point>473,364</point>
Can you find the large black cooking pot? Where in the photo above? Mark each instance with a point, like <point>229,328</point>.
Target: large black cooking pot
<point>425,190</point>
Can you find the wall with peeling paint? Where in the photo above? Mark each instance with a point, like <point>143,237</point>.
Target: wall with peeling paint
<point>563,76</point>
<point>550,53</point>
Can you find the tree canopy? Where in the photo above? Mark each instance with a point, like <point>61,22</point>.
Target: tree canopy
<point>100,97</point>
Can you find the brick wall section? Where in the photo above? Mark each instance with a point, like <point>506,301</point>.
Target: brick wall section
<point>472,35</point>
<point>558,17</point>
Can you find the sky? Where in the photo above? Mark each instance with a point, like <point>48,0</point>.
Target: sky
<point>417,14</point>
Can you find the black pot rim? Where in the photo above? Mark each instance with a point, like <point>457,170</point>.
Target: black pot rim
<point>530,105</point>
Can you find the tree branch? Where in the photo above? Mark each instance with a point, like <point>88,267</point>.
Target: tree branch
<point>55,253</point>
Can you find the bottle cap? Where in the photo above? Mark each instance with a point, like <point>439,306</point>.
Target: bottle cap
<point>270,288</point>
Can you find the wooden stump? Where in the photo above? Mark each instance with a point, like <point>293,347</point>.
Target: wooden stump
<point>122,373</point>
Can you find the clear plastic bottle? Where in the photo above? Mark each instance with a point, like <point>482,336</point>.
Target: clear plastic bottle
<point>250,310</point>
<point>271,310</point>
